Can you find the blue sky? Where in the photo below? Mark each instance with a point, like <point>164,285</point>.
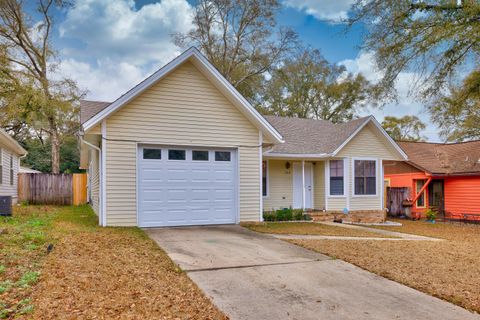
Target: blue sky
<point>108,46</point>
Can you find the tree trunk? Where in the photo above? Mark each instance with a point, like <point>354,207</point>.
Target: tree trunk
<point>55,141</point>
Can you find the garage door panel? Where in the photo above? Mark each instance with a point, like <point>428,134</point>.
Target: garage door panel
<point>186,192</point>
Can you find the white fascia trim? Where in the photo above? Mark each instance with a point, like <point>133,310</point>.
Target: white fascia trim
<point>147,83</point>
<point>12,144</point>
<point>379,127</point>
<point>397,147</point>
<point>296,156</point>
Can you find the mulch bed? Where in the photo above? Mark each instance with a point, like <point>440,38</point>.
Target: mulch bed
<point>449,269</point>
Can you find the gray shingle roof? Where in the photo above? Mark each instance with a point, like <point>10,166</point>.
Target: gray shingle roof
<point>90,108</point>
<point>440,158</point>
<point>308,136</point>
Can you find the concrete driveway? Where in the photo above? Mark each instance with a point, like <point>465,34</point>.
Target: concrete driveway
<point>253,276</point>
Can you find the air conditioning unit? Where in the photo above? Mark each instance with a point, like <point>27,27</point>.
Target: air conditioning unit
<point>5,205</point>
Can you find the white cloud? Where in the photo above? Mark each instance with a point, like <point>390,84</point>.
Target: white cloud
<point>334,10</point>
<point>407,104</point>
<point>117,45</point>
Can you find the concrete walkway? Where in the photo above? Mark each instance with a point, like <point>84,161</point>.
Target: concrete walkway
<point>320,237</point>
<point>255,276</point>
<point>401,235</point>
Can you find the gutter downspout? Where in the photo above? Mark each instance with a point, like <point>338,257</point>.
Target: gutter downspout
<point>100,216</point>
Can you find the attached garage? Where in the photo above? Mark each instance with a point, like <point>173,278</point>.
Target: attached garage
<point>181,148</point>
<point>179,186</point>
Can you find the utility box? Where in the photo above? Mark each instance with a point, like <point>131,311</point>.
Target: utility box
<point>5,205</point>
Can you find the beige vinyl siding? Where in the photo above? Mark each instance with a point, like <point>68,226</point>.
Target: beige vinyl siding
<point>280,184</point>
<point>7,189</point>
<point>184,108</point>
<point>94,180</point>
<point>95,130</point>
<point>368,143</point>
<point>319,185</point>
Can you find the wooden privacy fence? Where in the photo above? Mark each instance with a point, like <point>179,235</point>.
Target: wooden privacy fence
<point>395,197</point>
<point>57,189</point>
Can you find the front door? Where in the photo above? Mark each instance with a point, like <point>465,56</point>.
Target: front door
<point>298,186</point>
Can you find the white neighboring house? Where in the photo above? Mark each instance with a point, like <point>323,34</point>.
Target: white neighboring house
<point>10,154</point>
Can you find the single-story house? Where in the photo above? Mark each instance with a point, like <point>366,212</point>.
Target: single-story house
<point>445,177</point>
<point>10,154</point>
<point>184,147</point>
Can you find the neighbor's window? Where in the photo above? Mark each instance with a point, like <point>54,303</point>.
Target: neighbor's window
<point>365,177</point>
<point>264,178</point>
<point>421,199</point>
<point>152,154</point>
<point>336,177</point>
<point>200,155</point>
<point>222,156</point>
<point>11,170</point>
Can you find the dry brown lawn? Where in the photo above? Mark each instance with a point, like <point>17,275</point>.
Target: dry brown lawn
<point>103,273</point>
<point>449,269</point>
<point>309,228</point>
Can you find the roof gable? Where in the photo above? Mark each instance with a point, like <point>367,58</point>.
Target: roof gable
<point>320,138</point>
<point>209,71</point>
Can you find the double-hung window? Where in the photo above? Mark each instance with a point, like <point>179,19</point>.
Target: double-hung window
<point>365,177</point>
<point>336,178</point>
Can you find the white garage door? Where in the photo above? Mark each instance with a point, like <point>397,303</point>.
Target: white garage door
<point>180,186</point>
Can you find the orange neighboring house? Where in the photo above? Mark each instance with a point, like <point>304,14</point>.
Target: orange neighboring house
<point>441,176</point>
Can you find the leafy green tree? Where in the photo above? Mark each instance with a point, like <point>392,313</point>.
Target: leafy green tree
<point>241,38</point>
<point>407,128</point>
<point>33,101</point>
<point>434,38</point>
<point>457,113</point>
<point>39,157</point>
<point>305,85</point>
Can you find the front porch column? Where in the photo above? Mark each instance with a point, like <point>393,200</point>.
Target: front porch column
<point>303,184</point>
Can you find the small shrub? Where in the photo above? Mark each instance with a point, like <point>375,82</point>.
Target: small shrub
<point>2,268</point>
<point>285,214</point>
<point>430,214</point>
<point>269,216</point>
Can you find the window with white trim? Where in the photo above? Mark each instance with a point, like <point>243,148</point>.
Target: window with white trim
<point>336,178</point>
<point>264,178</point>
<point>365,177</point>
